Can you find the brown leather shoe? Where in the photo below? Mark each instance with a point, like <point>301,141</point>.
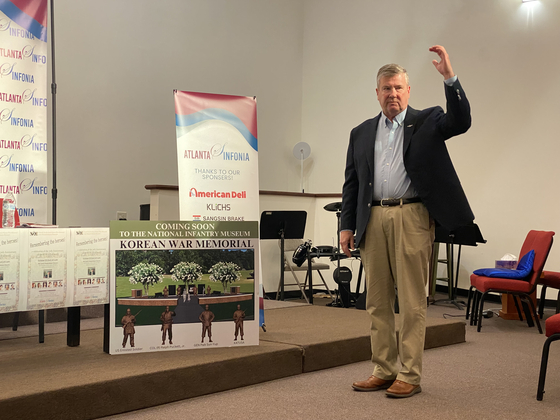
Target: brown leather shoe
<point>372,384</point>
<point>401,389</point>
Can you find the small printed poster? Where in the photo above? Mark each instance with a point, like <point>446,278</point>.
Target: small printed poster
<point>47,256</point>
<point>183,285</point>
<point>47,268</point>
<point>9,270</point>
<point>91,266</point>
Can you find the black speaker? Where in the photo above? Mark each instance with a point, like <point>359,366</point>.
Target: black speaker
<point>342,275</point>
<point>200,289</point>
<point>144,212</point>
<point>172,289</point>
<point>361,301</point>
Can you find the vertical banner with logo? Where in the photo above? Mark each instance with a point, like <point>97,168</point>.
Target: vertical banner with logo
<point>23,106</point>
<point>217,152</point>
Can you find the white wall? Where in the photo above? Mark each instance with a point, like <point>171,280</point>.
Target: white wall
<point>312,65</point>
<point>117,63</point>
<point>505,54</point>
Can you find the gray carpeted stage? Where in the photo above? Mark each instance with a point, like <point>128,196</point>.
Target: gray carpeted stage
<point>53,381</point>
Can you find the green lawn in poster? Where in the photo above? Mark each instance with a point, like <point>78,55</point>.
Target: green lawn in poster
<point>125,260</point>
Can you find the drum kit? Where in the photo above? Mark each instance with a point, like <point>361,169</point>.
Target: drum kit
<point>342,275</point>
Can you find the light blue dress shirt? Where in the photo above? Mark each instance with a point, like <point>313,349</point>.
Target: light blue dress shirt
<point>389,174</point>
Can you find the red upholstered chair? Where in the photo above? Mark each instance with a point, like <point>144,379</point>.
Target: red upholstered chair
<point>552,326</point>
<point>540,242</point>
<point>549,279</point>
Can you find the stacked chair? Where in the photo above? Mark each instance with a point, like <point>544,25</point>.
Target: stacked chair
<point>552,326</point>
<point>549,279</point>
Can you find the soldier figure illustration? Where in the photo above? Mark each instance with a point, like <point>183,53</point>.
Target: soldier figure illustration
<point>128,322</point>
<point>167,325</point>
<point>238,317</point>
<point>206,317</point>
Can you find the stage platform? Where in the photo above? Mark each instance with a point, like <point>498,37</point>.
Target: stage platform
<point>54,381</point>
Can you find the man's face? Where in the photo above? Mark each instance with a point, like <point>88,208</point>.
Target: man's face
<point>128,311</point>
<point>392,94</point>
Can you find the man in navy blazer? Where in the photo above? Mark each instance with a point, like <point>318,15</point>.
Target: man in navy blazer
<point>399,179</point>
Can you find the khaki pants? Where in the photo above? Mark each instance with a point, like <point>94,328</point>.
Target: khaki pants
<point>396,251</point>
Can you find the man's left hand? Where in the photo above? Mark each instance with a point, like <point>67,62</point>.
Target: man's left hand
<point>444,66</point>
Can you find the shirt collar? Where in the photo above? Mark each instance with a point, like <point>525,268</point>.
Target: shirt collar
<point>399,118</point>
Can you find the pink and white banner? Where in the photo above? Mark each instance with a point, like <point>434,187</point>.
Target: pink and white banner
<point>217,156</point>
<point>217,152</point>
<point>23,106</point>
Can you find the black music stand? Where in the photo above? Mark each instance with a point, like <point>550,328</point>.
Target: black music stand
<point>283,225</point>
<point>466,235</point>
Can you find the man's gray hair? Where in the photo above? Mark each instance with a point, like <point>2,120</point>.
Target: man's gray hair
<point>390,70</point>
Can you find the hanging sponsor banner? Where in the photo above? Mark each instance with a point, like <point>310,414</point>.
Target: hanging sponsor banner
<point>23,106</point>
<point>183,285</point>
<point>217,152</point>
<point>218,157</point>
<point>53,268</point>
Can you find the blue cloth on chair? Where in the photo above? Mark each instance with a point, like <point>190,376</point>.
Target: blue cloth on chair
<point>523,269</point>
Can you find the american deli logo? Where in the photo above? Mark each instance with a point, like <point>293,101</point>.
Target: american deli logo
<point>217,194</point>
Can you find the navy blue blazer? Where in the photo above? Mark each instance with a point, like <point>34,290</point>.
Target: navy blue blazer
<point>426,160</point>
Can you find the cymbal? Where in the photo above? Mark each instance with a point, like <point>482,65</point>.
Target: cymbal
<point>333,206</point>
